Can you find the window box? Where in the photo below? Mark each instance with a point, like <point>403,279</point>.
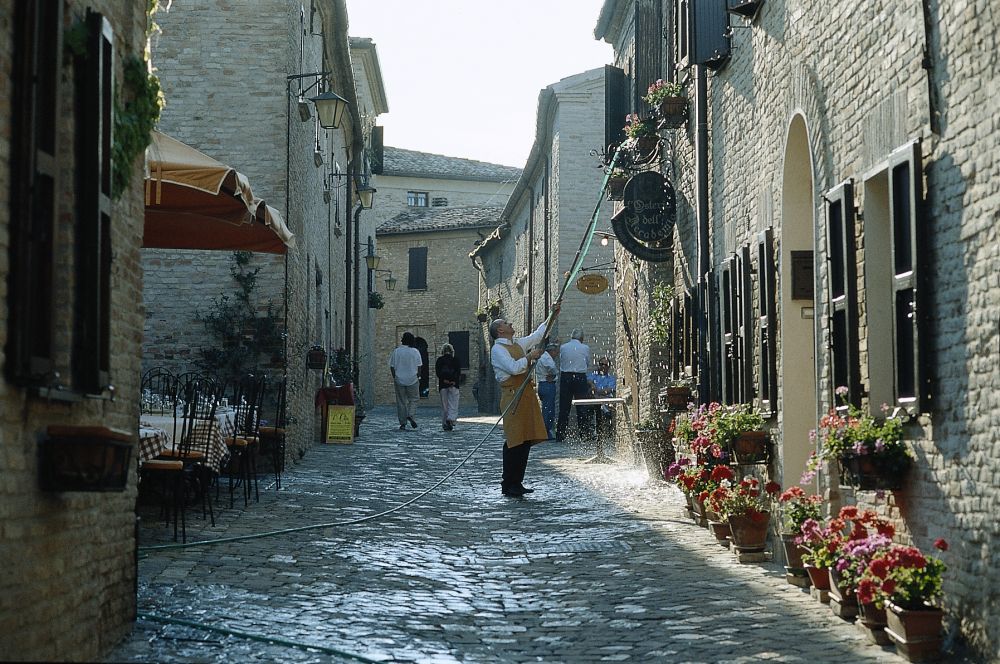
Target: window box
<point>85,458</point>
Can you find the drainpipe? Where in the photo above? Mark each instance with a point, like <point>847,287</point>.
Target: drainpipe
<point>706,384</point>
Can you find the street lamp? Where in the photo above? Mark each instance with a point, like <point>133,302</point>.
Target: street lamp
<point>366,196</point>
<point>373,260</point>
<point>390,281</point>
<point>605,236</point>
<point>330,108</point>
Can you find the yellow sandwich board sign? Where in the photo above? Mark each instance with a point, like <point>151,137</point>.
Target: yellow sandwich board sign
<point>339,424</point>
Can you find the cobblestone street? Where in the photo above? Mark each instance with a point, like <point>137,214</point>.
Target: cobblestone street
<point>599,564</point>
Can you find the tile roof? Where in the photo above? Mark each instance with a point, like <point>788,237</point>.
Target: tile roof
<point>410,163</point>
<point>422,220</point>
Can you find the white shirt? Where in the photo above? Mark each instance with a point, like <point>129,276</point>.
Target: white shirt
<point>545,368</point>
<point>406,361</point>
<point>574,357</point>
<point>505,366</point>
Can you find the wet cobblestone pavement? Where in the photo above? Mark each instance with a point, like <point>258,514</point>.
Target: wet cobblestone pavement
<point>599,564</point>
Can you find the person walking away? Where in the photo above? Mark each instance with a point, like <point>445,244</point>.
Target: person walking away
<point>602,385</point>
<point>574,360</point>
<point>449,372</point>
<point>547,373</point>
<point>523,425</point>
<point>405,363</point>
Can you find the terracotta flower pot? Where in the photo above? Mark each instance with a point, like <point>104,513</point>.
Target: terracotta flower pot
<point>673,111</point>
<point>819,577</point>
<point>838,587</point>
<point>916,632</point>
<point>678,397</point>
<point>749,534</point>
<point>751,447</point>
<point>872,616</point>
<point>721,530</point>
<point>793,552</point>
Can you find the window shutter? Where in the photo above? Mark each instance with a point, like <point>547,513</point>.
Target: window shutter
<point>676,337</point>
<point>906,211</point>
<point>34,189</point>
<point>417,277</point>
<point>648,45</point>
<point>95,93</point>
<point>727,296</point>
<point>743,328</point>
<point>709,42</point>
<point>840,237</point>
<point>616,107</point>
<point>377,150</point>
<point>767,382</point>
<point>690,334</point>
<point>682,33</point>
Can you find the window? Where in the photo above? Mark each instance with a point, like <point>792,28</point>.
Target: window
<point>742,311</point>
<point>893,200</point>
<point>417,275</point>
<point>767,379</point>
<point>439,201</point>
<point>416,198</point>
<point>460,342</point>
<point>843,323</point>
<point>727,297</point>
<point>34,189</point>
<point>92,334</point>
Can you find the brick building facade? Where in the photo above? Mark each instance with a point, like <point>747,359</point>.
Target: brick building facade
<point>523,263</point>
<point>847,194</point>
<point>70,323</point>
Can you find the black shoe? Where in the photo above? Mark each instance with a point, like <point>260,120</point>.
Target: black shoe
<point>512,492</point>
<point>402,427</point>
<point>413,422</point>
<point>447,426</point>
<point>525,489</point>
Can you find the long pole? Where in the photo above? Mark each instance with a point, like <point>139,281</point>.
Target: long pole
<point>704,290</point>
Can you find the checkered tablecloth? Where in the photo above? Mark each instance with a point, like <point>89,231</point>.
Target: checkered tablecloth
<point>213,446</point>
<point>152,441</point>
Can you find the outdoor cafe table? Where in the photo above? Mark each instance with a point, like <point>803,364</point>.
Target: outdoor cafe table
<point>216,450</point>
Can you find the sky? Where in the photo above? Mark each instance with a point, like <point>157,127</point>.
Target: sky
<point>462,77</point>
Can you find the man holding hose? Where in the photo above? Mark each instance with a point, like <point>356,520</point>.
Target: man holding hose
<point>523,425</point>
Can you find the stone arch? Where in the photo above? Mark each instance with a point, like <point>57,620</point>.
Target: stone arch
<point>798,393</point>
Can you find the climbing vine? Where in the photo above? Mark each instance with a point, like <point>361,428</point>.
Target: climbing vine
<point>659,313</point>
<point>138,103</point>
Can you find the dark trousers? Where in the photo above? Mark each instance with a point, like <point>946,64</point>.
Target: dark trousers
<point>572,386</point>
<point>515,462</point>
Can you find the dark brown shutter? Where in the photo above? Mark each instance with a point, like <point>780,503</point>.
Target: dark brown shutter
<point>726,297</point>
<point>677,337</point>
<point>682,33</point>
<point>460,342</point>
<point>690,334</point>
<point>648,49</point>
<point>417,276</point>
<point>743,327</point>
<point>767,382</point>
<point>905,211</point>
<point>378,150</point>
<point>95,95</point>
<point>616,107</point>
<point>840,237</point>
<point>709,42</point>
<point>34,189</point>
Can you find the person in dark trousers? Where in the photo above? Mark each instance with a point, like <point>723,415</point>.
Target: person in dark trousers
<point>404,364</point>
<point>523,425</point>
<point>574,361</point>
<point>547,375</point>
<point>449,372</point>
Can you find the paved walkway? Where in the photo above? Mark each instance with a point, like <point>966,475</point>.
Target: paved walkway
<point>599,564</point>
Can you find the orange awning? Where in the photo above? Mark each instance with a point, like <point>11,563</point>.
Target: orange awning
<point>196,202</point>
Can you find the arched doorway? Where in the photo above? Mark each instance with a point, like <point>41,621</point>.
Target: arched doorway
<point>798,342</point>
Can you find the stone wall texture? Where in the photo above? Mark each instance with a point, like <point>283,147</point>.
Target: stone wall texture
<point>809,99</point>
<point>68,557</point>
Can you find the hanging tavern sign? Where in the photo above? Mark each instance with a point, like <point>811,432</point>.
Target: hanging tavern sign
<point>592,284</point>
<point>645,226</point>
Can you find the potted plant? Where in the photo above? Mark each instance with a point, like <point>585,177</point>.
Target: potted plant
<point>821,542</point>
<point>669,101</point>
<point>678,394</point>
<point>375,300</point>
<point>855,556</point>
<point>722,476</point>
<point>747,508</point>
<point>481,315</point>
<point>643,133</point>
<point>493,308</point>
<point>795,508</point>
<point>907,582</point>
<point>739,427</point>
<point>694,480</point>
<point>870,453</point>
<point>316,358</point>
<point>616,184</point>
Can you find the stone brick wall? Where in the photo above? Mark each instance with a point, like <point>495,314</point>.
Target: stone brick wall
<point>806,102</point>
<point>68,558</point>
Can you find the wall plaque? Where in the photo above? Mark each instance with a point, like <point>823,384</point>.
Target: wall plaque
<point>592,284</point>
<point>645,225</point>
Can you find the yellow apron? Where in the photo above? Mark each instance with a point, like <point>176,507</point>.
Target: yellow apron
<point>524,423</point>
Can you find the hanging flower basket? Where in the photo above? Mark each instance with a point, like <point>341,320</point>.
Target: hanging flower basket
<point>673,112</point>
<point>874,472</point>
<point>678,397</point>
<point>316,358</point>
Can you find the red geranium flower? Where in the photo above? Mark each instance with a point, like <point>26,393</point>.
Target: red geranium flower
<point>941,544</point>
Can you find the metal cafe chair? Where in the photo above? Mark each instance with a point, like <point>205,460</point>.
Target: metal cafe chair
<point>248,394</point>
<point>272,435</point>
<point>200,398</point>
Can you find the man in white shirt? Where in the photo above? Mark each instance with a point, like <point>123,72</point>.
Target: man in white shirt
<point>574,361</point>
<point>405,363</point>
<point>547,373</point>
<point>522,423</point>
